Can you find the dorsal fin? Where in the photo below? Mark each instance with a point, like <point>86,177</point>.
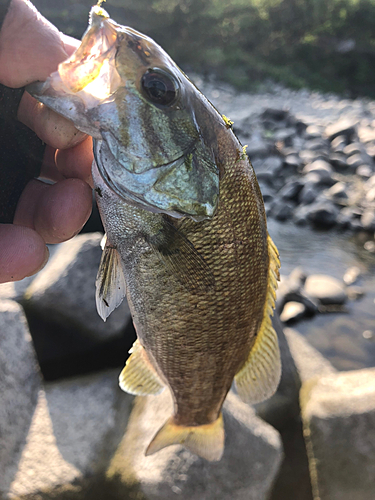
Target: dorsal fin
<point>110,281</point>
<point>258,379</point>
<point>139,377</point>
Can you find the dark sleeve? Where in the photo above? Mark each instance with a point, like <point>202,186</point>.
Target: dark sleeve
<point>21,151</point>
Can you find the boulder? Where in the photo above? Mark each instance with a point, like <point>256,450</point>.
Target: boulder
<point>19,386</point>
<point>282,210</point>
<point>320,167</point>
<point>75,430</point>
<point>326,289</point>
<point>293,311</point>
<point>321,213</point>
<point>338,192</point>
<point>345,127</point>
<point>250,463</point>
<point>291,190</point>
<point>368,219</point>
<point>338,412</point>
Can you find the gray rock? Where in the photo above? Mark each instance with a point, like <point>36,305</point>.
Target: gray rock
<point>257,147</point>
<point>370,195</point>
<point>317,145</point>
<point>275,114</point>
<point>353,148</point>
<point>293,311</point>
<point>65,290</point>
<point>282,210</point>
<point>250,463</point>
<point>320,167</point>
<point>326,289</point>
<point>308,193</point>
<point>309,362</point>
<point>368,219</point>
<point>291,190</point>
<point>339,143</point>
<point>74,433</point>
<point>338,412</point>
<point>344,127</point>
<point>19,386</point>
<point>364,171</point>
<point>321,213</point>
<point>293,161</point>
<point>338,192</point>
<point>285,135</point>
<point>351,275</point>
<point>338,161</point>
<point>267,193</point>
<point>356,161</point>
<point>272,164</point>
<point>313,132</point>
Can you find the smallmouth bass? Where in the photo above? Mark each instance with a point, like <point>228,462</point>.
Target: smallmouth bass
<point>186,233</point>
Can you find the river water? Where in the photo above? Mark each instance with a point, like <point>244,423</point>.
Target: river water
<point>347,339</point>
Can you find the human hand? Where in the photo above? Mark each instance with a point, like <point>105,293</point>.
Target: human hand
<point>30,49</point>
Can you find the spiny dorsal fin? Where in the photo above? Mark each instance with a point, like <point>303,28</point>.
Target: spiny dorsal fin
<point>259,377</point>
<point>139,376</point>
<point>110,281</point>
<point>207,440</point>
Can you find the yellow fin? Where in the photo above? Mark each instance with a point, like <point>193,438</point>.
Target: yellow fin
<point>139,376</point>
<point>258,379</point>
<point>207,440</point>
<point>110,281</point>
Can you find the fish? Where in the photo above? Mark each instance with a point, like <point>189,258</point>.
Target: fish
<point>186,232</point>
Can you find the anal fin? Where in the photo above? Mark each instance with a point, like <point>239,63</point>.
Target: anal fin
<point>110,281</point>
<point>207,440</point>
<point>258,379</point>
<point>139,377</point>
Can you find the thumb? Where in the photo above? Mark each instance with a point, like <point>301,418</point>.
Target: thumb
<point>30,46</point>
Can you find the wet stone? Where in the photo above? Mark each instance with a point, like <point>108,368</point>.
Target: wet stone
<point>339,143</point>
<point>275,114</point>
<point>364,171</point>
<point>282,210</point>
<point>326,289</point>
<point>344,127</point>
<point>308,194</point>
<point>293,311</point>
<point>368,219</point>
<point>291,190</point>
<point>313,132</point>
<point>338,191</point>
<point>338,161</point>
<point>355,161</point>
<point>316,145</point>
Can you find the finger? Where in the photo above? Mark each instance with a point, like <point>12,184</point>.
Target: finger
<point>22,252</point>
<point>57,212</point>
<point>24,37</point>
<point>53,129</point>
<point>49,170</point>
<point>76,161</point>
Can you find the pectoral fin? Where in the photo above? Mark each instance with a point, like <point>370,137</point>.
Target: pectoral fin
<point>139,377</point>
<point>258,379</point>
<point>180,256</point>
<point>110,281</point>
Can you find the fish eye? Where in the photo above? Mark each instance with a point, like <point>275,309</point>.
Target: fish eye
<point>159,87</point>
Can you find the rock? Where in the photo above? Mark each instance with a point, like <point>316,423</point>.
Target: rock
<point>317,145</point>
<point>75,431</point>
<point>257,147</point>
<point>292,162</point>
<point>267,193</point>
<point>19,386</point>
<point>65,290</point>
<point>313,132</point>
<point>355,292</point>
<point>369,246</point>
<point>309,362</point>
<point>353,148</point>
<point>308,194</point>
<point>344,127</point>
<point>272,164</point>
<point>291,290</point>
<point>282,210</point>
<point>338,161</point>
<point>291,190</point>
<point>321,213</point>
<point>338,412</point>
<point>368,219</point>
<point>275,114</point>
<point>285,135</point>
<point>370,195</point>
<point>250,463</point>
<point>326,289</point>
<point>337,192</point>
<point>320,167</point>
<point>338,144</point>
<point>364,171</point>
<point>351,275</point>
<point>293,311</point>
<point>356,161</point>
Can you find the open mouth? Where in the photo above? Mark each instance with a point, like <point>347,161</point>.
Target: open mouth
<point>90,73</point>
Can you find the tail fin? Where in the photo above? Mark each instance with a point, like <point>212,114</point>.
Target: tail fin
<point>207,440</point>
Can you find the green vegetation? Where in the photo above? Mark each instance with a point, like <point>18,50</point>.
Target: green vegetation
<point>321,44</point>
